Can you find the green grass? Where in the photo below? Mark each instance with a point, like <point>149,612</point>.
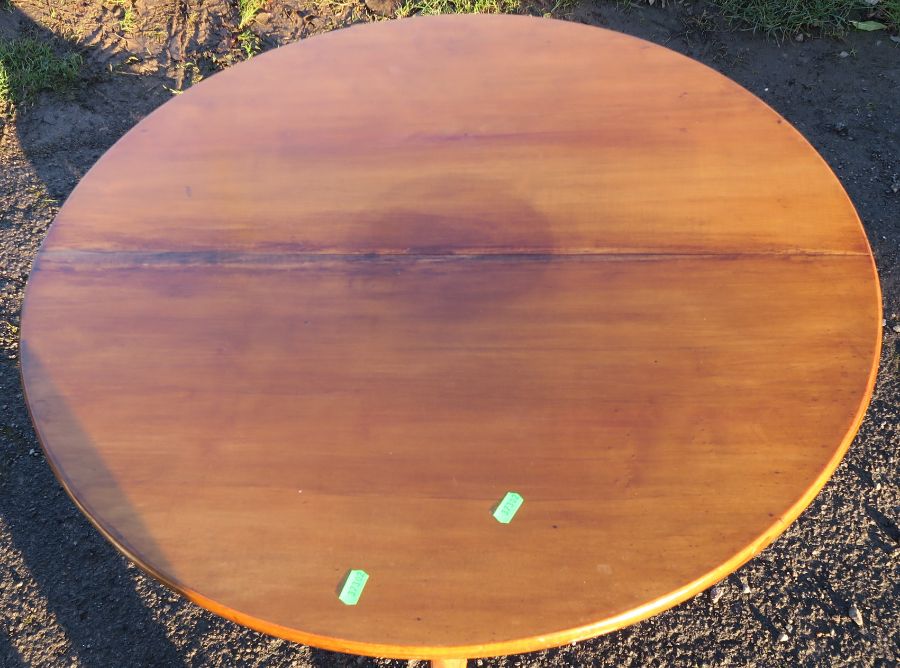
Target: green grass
<point>889,12</point>
<point>410,7</point>
<point>250,43</point>
<point>788,17</point>
<point>247,10</point>
<point>128,22</point>
<point>28,66</point>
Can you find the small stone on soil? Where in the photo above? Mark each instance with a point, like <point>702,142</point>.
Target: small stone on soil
<point>745,588</point>
<point>383,7</point>
<point>716,593</point>
<point>856,615</point>
<point>840,129</point>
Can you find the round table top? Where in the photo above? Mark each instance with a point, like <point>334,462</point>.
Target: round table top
<point>324,310</point>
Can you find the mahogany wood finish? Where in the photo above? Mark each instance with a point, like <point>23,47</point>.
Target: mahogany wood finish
<point>324,310</point>
<point>448,663</point>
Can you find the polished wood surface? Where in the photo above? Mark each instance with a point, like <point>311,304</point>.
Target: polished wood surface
<point>324,310</point>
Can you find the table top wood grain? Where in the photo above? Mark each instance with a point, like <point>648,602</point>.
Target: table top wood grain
<point>322,311</point>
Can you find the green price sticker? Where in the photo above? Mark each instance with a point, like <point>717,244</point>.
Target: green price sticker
<point>508,507</point>
<point>353,587</point>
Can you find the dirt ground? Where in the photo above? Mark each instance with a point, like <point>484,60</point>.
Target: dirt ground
<point>68,599</point>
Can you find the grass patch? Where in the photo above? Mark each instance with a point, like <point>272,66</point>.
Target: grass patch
<point>248,9</point>
<point>788,17</point>
<point>889,12</point>
<point>411,7</point>
<point>564,6</point>
<point>128,22</point>
<point>28,66</point>
<point>250,43</point>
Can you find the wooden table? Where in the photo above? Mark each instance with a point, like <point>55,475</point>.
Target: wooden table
<point>324,310</point>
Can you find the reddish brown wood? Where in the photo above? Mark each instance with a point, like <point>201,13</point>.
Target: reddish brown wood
<point>449,663</point>
<point>322,311</point>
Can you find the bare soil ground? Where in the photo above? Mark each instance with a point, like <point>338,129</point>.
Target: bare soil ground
<point>67,598</point>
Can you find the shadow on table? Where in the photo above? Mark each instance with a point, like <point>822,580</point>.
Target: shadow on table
<point>94,598</point>
<point>88,587</point>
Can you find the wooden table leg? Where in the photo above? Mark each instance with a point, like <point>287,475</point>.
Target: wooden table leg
<point>448,663</point>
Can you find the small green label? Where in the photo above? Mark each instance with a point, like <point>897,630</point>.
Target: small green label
<point>353,587</point>
<point>508,507</point>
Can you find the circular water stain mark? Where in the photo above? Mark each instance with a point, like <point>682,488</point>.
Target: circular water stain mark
<point>450,248</point>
